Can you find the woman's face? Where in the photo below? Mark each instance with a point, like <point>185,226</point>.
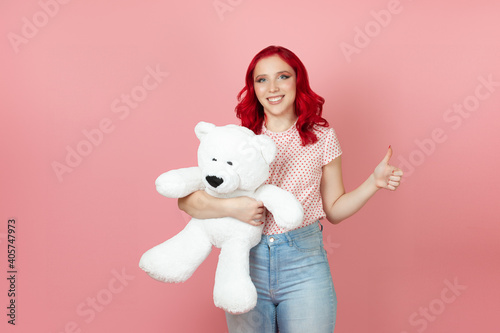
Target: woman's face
<point>275,86</point>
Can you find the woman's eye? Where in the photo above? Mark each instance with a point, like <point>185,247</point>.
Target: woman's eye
<point>284,77</point>
<point>229,162</point>
<point>260,80</point>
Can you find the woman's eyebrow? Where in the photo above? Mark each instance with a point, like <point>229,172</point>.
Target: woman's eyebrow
<point>277,73</point>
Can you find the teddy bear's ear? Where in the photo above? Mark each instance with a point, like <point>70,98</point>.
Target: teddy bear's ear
<point>266,146</point>
<point>203,128</point>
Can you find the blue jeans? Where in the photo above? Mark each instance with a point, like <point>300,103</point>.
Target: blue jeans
<point>294,285</point>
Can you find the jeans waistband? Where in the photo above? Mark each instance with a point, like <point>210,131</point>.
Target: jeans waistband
<point>291,235</point>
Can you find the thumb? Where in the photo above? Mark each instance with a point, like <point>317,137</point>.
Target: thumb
<point>387,156</point>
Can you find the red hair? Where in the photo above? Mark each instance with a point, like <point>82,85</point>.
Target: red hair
<point>308,104</point>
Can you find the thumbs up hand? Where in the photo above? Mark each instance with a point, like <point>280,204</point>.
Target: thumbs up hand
<point>386,175</point>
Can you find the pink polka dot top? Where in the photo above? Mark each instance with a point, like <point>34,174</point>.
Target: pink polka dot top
<point>298,169</point>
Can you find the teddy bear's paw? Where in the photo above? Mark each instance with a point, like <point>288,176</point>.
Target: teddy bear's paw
<point>171,189</point>
<point>176,259</point>
<point>163,267</point>
<point>236,298</point>
<point>160,277</point>
<point>156,270</point>
<point>165,274</point>
<point>290,217</point>
<point>179,183</point>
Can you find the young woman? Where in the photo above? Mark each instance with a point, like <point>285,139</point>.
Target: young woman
<point>290,269</point>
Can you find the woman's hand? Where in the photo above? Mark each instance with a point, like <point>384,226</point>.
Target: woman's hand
<point>387,176</point>
<point>246,209</point>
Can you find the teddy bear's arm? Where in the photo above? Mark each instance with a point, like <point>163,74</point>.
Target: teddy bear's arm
<point>286,209</point>
<point>180,182</point>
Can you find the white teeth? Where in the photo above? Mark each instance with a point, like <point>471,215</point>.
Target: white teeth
<point>275,99</point>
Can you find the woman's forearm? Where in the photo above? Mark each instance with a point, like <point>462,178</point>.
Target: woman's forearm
<point>201,205</point>
<point>339,205</point>
<point>349,203</point>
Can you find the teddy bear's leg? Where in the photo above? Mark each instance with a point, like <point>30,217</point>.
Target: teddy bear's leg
<point>234,291</point>
<point>176,259</point>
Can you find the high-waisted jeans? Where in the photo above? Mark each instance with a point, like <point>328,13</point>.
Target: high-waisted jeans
<point>294,285</point>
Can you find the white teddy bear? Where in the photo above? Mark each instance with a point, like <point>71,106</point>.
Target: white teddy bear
<point>233,161</point>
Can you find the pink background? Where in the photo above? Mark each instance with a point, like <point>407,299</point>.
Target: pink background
<point>64,74</point>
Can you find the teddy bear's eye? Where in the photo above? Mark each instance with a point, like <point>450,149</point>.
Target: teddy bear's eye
<point>214,159</point>
<point>229,162</point>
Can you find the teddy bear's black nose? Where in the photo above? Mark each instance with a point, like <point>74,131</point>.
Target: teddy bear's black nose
<point>214,181</point>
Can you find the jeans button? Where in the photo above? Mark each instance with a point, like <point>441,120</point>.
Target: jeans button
<point>271,239</point>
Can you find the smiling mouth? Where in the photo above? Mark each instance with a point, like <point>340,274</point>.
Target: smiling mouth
<point>275,99</point>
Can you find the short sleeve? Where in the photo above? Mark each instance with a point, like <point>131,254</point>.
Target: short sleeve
<point>331,147</point>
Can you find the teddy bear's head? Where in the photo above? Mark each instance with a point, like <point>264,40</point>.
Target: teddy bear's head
<point>233,158</point>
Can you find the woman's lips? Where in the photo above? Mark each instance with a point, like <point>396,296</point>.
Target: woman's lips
<point>275,99</point>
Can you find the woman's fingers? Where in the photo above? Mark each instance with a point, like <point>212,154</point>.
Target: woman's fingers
<point>394,179</point>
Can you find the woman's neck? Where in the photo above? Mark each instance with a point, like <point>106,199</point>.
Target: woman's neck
<point>280,124</point>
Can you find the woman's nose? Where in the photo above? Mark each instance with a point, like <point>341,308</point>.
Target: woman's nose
<point>273,88</point>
